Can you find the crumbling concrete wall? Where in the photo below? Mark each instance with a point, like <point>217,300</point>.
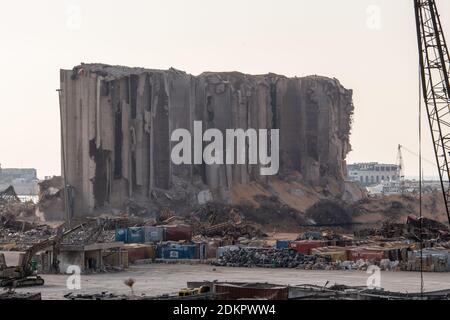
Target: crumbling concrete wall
<point>117,123</point>
<point>51,200</point>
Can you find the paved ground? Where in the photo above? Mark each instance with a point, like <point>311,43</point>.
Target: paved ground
<point>163,278</point>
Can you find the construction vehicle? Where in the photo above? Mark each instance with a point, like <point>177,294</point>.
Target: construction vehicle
<point>24,275</point>
<point>186,292</point>
<point>434,59</point>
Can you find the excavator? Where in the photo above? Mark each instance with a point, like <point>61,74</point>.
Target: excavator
<point>434,60</point>
<point>23,274</point>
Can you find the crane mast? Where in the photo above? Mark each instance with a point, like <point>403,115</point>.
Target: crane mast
<point>434,69</point>
<point>400,170</point>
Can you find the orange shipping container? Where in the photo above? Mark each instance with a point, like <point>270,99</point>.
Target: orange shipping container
<point>334,253</point>
<point>140,252</point>
<point>366,254</point>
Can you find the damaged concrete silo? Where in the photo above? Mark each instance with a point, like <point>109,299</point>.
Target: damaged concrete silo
<point>117,123</point>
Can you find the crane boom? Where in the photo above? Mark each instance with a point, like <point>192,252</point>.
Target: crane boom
<point>434,68</point>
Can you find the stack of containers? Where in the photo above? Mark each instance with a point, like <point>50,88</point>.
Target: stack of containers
<point>433,260</point>
<point>152,234</point>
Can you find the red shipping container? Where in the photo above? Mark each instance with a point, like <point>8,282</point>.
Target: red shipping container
<point>305,246</point>
<point>178,233</point>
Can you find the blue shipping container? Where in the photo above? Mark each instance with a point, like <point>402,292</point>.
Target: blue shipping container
<point>159,249</point>
<point>175,251</point>
<point>200,252</point>
<point>282,244</point>
<point>135,235</point>
<point>121,235</point>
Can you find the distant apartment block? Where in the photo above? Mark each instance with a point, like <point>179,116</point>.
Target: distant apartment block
<point>24,181</point>
<point>372,173</point>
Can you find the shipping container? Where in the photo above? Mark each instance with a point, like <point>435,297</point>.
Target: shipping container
<point>282,244</point>
<point>333,253</point>
<point>121,235</point>
<point>366,254</point>
<point>135,235</point>
<point>153,234</point>
<point>305,246</point>
<point>397,251</point>
<point>200,251</point>
<point>178,233</point>
<point>178,251</point>
<point>140,252</point>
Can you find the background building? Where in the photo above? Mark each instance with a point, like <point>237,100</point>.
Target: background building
<point>372,173</point>
<point>24,181</point>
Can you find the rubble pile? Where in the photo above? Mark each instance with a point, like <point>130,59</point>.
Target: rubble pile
<point>215,213</point>
<point>227,222</point>
<point>329,235</point>
<point>51,199</point>
<point>286,258</point>
<point>94,231</point>
<point>362,265</point>
<point>35,235</point>
<point>12,209</point>
<point>414,229</point>
<point>330,213</point>
<point>16,218</point>
<point>9,194</point>
<point>89,234</point>
<point>256,257</point>
<point>272,212</point>
<point>431,229</point>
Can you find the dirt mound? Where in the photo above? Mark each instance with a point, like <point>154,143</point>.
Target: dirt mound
<point>269,213</point>
<point>329,213</point>
<point>396,208</point>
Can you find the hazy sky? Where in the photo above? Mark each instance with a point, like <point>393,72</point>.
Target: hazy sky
<point>375,55</point>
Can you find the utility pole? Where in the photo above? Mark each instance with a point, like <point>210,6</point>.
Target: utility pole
<point>67,209</point>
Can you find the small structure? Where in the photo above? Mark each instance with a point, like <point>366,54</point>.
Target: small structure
<point>89,257</point>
